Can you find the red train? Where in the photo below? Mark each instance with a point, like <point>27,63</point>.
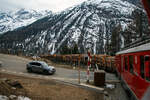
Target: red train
<point>133,67</point>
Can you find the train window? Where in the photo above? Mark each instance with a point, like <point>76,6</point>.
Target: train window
<point>147,58</point>
<point>131,64</point>
<point>142,66</point>
<point>126,63</point>
<point>148,2</point>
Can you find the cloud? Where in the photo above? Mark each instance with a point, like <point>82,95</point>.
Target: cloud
<point>54,5</point>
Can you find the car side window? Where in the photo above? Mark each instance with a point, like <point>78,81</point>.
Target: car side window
<point>32,63</point>
<point>36,64</point>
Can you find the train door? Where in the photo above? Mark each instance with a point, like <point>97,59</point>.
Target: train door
<point>122,63</point>
<point>147,67</point>
<point>142,66</point>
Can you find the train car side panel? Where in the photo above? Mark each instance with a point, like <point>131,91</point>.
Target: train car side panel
<point>134,68</point>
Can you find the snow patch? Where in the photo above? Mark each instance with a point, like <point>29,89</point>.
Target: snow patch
<point>23,98</point>
<point>2,97</point>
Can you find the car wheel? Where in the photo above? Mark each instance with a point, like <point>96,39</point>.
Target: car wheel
<point>45,72</point>
<point>29,70</point>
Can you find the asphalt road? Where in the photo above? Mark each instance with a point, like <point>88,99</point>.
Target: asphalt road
<point>18,65</point>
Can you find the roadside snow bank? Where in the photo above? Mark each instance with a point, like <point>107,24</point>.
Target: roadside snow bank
<point>3,97</point>
<point>23,98</point>
<point>14,97</point>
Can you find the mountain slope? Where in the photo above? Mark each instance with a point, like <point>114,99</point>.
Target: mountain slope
<point>88,25</point>
<point>22,17</point>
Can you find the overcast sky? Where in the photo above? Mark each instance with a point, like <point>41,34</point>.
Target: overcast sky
<point>54,5</point>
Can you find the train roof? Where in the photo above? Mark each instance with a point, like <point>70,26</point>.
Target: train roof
<point>140,48</point>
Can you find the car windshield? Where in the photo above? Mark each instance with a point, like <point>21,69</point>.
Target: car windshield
<point>45,64</point>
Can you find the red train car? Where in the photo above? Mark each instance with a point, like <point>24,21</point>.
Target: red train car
<point>133,67</point>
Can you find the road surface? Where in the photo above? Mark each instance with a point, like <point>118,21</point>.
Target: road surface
<point>17,65</point>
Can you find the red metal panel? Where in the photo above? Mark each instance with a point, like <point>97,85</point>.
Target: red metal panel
<point>136,84</point>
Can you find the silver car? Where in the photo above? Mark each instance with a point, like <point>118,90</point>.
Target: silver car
<point>40,67</point>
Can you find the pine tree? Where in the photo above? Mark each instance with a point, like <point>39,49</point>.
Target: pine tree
<point>75,49</point>
<point>65,50</point>
<point>114,45</point>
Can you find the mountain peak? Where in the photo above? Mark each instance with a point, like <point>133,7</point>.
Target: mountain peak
<point>19,18</point>
<point>93,1</point>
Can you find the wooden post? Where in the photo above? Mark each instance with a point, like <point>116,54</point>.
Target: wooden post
<point>79,68</point>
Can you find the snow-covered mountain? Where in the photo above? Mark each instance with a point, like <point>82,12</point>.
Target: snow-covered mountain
<point>89,25</point>
<point>11,20</point>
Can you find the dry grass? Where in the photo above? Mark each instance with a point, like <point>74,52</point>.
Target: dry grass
<point>40,89</point>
